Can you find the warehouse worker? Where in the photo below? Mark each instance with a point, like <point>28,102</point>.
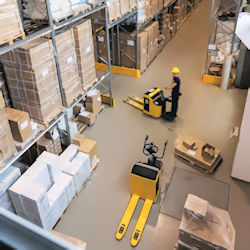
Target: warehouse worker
<point>175,86</point>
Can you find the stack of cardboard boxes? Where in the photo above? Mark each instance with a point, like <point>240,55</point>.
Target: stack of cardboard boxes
<point>12,27</point>
<point>93,106</point>
<point>44,191</point>
<point>204,226</point>
<point>4,88</point>
<point>165,21</point>
<point>180,11</point>
<point>65,43</point>
<point>32,79</point>
<point>148,46</point>
<point>85,53</point>
<point>7,145</point>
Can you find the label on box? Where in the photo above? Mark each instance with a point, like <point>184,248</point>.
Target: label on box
<point>130,43</point>
<point>191,152</point>
<point>100,38</point>
<point>69,60</point>
<point>88,49</point>
<point>24,125</point>
<point>99,99</point>
<point>84,113</point>
<point>2,1</point>
<point>44,72</point>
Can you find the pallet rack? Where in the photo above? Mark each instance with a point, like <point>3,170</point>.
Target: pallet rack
<point>52,29</point>
<point>217,8</point>
<point>115,27</point>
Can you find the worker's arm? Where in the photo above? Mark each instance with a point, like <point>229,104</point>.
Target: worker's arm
<point>171,86</point>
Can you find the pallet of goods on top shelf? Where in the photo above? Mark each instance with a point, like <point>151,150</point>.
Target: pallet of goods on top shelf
<point>31,76</point>
<point>60,9</point>
<point>12,28</point>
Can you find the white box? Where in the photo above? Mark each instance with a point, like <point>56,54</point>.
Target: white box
<point>35,200</point>
<point>79,168</point>
<point>68,180</point>
<point>38,173</point>
<point>52,160</point>
<point>7,178</point>
<point>6,202</point>
<point>68,154</point>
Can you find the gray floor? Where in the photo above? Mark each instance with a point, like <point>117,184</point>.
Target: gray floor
<point>206,112</point>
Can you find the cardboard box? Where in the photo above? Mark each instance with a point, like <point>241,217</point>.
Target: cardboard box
<point>51,160</point>
<point>2,102</point>
<point>90,147</point>
<point>68,181</point>
<point>78,108</point>
<point>78,139</point>
<point>93,96</point>
<point>69,154</point>
<point>79,169</point>
<point>87,117</point>
<point>45,144</point>
<point>19,123</point>
<point>94,107</point>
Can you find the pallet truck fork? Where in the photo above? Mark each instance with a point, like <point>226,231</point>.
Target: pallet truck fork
<point>145,182</point>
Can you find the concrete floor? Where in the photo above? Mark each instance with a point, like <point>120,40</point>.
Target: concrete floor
<point>205,111</point>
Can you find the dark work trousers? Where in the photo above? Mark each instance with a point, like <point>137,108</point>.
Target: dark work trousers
<point>174,105</point>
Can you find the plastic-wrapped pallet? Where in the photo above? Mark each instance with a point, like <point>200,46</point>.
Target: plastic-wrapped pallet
<point>9,15</point>
<point>144,10</point>
<point>65,44</point>
<point>32,79</point>
<point>85,53</point>
<point>204,226</point>
<point>60,9</point>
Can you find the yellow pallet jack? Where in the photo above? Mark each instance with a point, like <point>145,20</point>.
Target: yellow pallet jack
<point>151,104</point>
<point>145,183</point>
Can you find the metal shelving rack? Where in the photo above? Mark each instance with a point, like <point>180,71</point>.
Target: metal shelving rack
<point>217,8</point>
<point>138,28</point>
<point>52,29</point>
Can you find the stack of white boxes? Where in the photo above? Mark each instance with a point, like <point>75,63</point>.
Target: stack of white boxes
<point>7,178</point>
<point>44,191</point>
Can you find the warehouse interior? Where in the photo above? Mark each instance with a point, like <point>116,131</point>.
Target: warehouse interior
<point>214,114</point>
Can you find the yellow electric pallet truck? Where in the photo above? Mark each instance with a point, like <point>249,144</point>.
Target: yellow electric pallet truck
<point>153,103</point>
<point>145,183</point>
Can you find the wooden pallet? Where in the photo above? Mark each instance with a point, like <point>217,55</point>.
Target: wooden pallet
<point>69,104</point>
<point>81,10</point>
<point>62,19</point>
<point>93,168</point>
<point>53,118</point>
<point>10,40</point>
<point>97,4</point>
<point>197,166</point>
<point>82,126</point>
<point>87,87</point>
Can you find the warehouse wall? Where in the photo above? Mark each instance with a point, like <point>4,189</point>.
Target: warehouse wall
<point>241,166</point>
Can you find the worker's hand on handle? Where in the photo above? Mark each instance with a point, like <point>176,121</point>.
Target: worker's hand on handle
<point>170,86</point>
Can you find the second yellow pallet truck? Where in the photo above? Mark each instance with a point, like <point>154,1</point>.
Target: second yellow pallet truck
<point>145,183</point>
